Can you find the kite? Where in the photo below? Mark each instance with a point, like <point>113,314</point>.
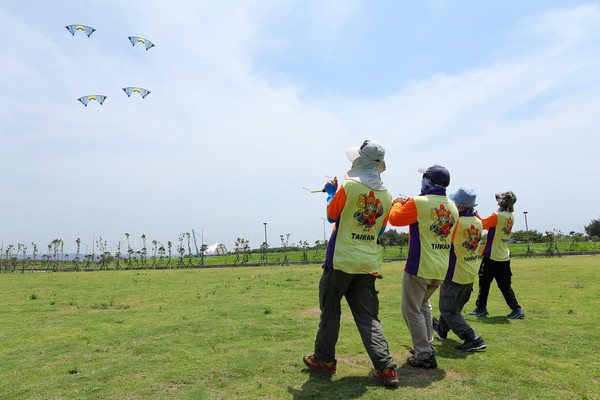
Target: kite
<point>74,28</point>
<point>146,42</point>
<point>130,90</point>
<point>86,99</point>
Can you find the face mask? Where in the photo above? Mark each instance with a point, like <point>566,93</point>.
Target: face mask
<point>426,185</point>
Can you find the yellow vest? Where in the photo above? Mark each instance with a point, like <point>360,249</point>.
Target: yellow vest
<point>463,261</point>
<point>360,222</point>
<point>431,236</point>
<point>496,247</point>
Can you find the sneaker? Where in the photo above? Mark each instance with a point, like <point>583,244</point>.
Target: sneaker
<point>314,364</point>
<point>478,312</point>
<point>516,313</point>
<point>436,327</point>
<point>472,345</point>
<point>388,376</point>
<point>430,362</point>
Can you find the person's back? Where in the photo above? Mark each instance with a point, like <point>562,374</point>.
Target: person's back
<point>361,213</point>
<point>496,257</point>
<point>359,209</point>
<point>431,236</point>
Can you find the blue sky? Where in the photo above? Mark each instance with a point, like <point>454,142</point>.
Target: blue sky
<point>252,101</point>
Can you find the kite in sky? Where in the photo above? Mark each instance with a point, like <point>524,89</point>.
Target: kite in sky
<point>74,28</point>
<point>86,99</point>
<point>143,92</point>
<point>146,42</point>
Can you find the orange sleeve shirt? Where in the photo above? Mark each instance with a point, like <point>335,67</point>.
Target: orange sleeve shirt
<point>490,221</point>
<point>403,214</point>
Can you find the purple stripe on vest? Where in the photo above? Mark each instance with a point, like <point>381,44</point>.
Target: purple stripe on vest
<point>414,250</point>
<point>452,264</point>
<point>487,251</point>
<point>330,249</point>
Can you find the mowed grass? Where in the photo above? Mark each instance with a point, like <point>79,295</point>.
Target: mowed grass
<point>241,332</point>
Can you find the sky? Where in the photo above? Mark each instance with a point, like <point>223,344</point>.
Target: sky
<point>253,101</point>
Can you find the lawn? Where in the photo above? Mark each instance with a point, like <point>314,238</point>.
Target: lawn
<point>240,333</point>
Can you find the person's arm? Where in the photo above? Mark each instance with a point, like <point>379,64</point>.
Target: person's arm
<point>336,205</point>
<point>490,221</point>
<point>385,222</point>
<point>403,214</point>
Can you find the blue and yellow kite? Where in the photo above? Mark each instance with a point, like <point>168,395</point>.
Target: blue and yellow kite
<point>86,29</point>
<point>146,42</point>
<point>130,90</point>
<point>86,99</point>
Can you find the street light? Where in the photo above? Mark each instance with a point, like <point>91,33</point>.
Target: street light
<point>266,243</point>
<point>527,230</point>
<point>94,245</point>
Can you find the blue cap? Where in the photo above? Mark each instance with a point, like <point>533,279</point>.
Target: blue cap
<point>437,174</point>
<point>464,197</point>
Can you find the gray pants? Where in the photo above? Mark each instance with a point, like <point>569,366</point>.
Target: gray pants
<point>416,311</point>
<point>359,291</point>
<point>453,297</point>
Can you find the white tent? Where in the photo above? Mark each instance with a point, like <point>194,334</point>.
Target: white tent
<point>216,249</point>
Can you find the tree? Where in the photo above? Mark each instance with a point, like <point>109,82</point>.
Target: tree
<point>392,238</point>
<point>593,229</point>
<point>522,236</point>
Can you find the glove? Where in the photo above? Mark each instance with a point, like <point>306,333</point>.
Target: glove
<point>331,187</point>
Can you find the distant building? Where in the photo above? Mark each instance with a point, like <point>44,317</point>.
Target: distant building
<point>216,249</point>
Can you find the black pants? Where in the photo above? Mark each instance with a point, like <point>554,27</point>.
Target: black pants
<point>499,270</point>
<point>453,297</point>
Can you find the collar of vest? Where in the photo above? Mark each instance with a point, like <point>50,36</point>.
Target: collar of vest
<point>439,192</point>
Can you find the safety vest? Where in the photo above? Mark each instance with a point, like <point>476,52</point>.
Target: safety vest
<point>496,246</point>
<point>431,237</point>
<point>463,258</point>
<point>358,229</point>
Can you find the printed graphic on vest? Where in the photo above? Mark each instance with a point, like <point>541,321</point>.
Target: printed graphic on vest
<point>473,237</point>
<point>443,221</point>
<point>508,227</point>
<point>370,210</point>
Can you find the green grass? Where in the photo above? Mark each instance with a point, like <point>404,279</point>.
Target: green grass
<point>240,332</point>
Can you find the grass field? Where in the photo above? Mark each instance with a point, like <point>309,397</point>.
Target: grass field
<point>240,333</point>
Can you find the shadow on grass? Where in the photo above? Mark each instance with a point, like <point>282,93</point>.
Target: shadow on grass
<point>323,386</point>
<point>419,377</point>
<point>447,349</point>
<point>493,320</point>
<point>320,385</point>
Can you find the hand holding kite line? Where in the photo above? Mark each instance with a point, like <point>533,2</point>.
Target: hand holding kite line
<point>402,199</point>
<point>331,186</point>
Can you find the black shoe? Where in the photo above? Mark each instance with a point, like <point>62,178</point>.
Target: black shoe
<point>517,313</point>
<point>430,362</point>
<point>436,327</point>
<point>472,345</point>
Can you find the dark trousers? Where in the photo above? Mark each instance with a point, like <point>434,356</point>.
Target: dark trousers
<point>499,270</point>
<point>453,297</point>
<point>359,291</point>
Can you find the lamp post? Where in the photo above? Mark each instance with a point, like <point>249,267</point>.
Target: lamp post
<point>324,238</point>
<point>266,243</point>
<point>527,230</point>
<point>94,246</point>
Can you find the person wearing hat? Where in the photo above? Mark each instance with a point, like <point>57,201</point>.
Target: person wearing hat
<point>432,219</point>
<point>496,257</point>
<point>458,284</point>
<point>353,261</point>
